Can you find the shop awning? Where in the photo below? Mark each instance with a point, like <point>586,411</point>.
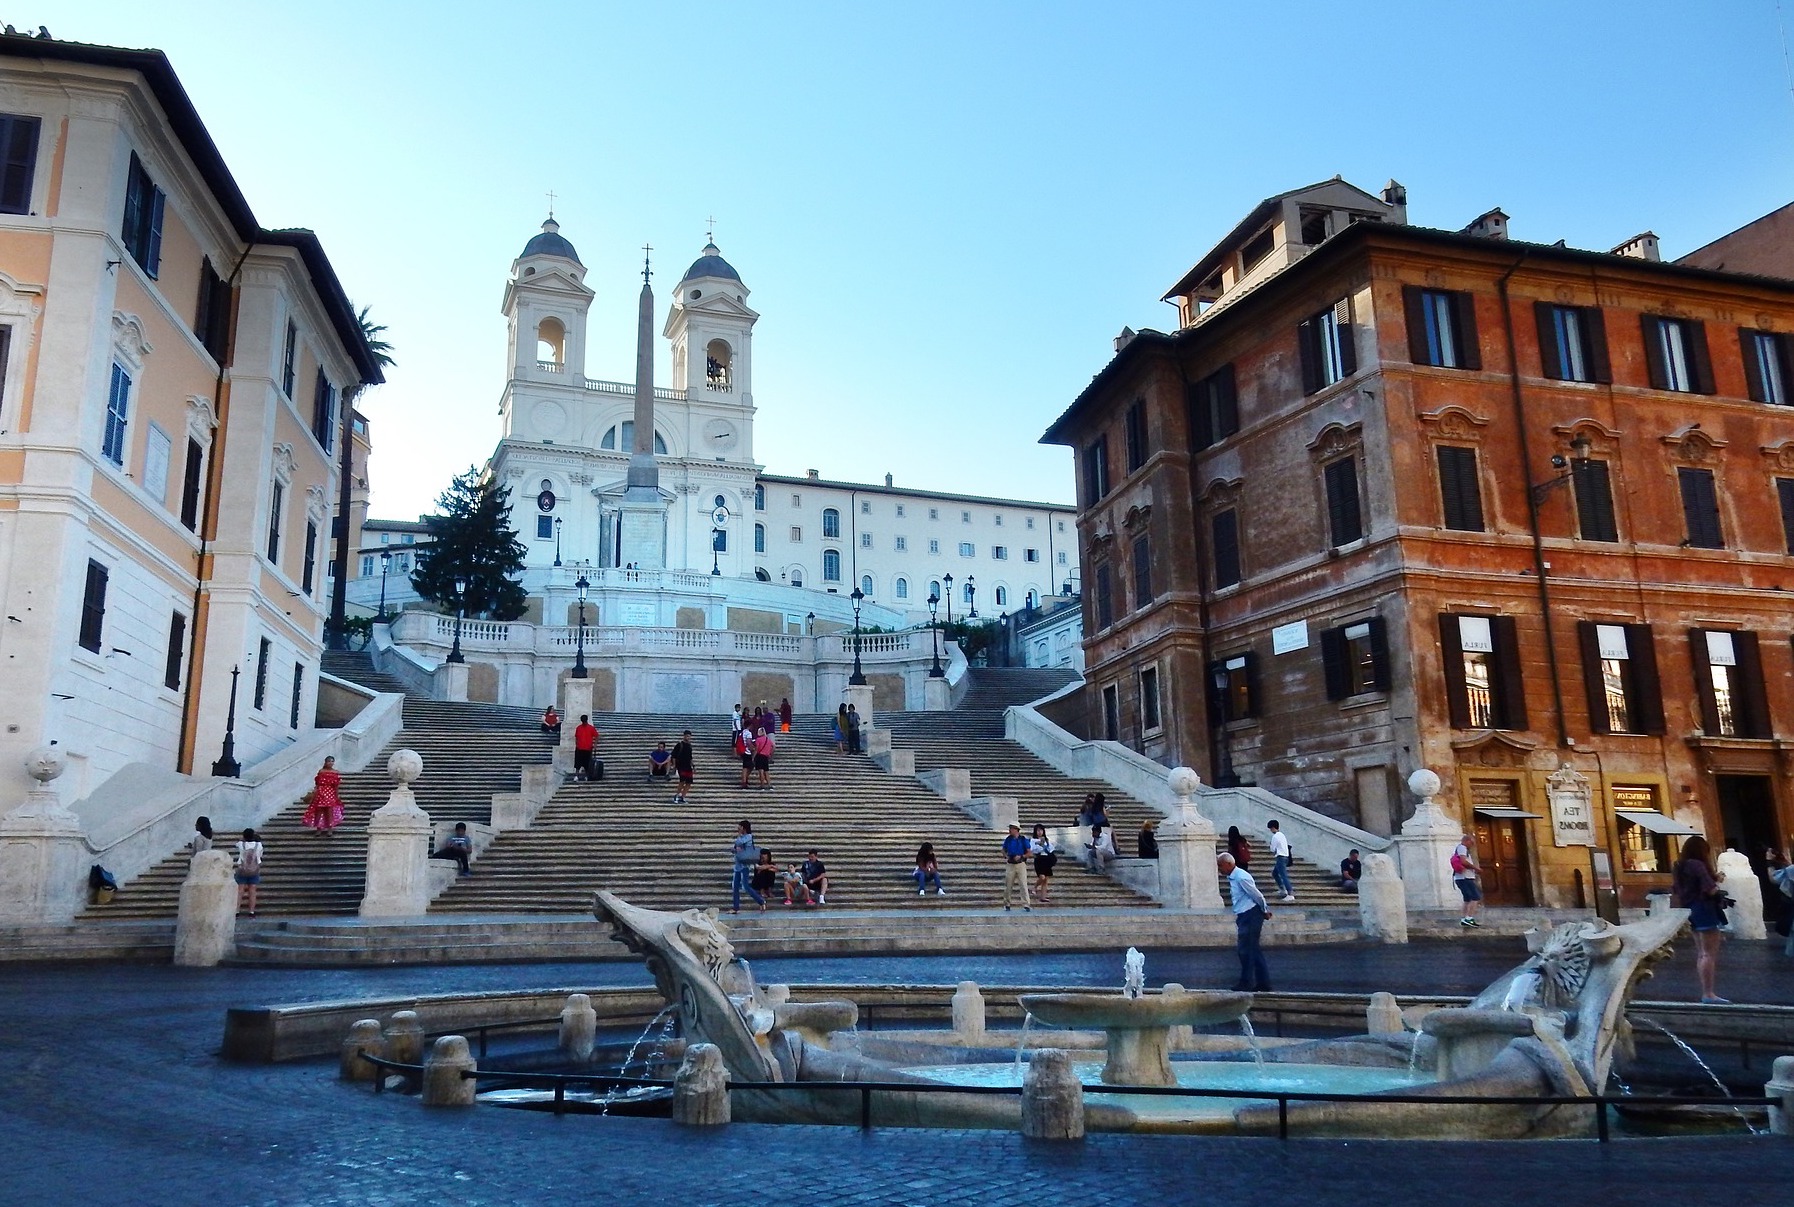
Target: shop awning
<point>1656,823</point>
<point>1493,811</point>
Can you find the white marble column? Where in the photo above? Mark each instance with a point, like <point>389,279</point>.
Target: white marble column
<point>1187,877</point>
<point>398,875</point>
<point>1423,849</point>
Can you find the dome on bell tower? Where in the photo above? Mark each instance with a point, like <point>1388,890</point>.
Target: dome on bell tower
<point>710,264</point>
<point>551,243</point>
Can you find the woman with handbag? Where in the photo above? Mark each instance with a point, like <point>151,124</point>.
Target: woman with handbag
<point>324,812</point>
<point>1046,858</point>
<point>1693,888</point>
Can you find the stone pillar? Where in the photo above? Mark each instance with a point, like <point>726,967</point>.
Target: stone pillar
<point>1052,1098</point>
<point>859,698</point>
<point>952,784</point>
<point>1781,1085</point>
<point>937,695</point>
<point>364,1040</point>
<point>1742,884</point>
<point>968,1013</point>
<point>701,1088</point>
<point>898,762</point>
<point>451,681</point>
<point>1187,877</point>
<point>1423,851</point>
<point>398,875</point>
<point>404,1038</point>
<point>579,1027</point>
<point>540,781</point>
<point>205,928</point>
<point>44,855</point>
<point>875,742</point>
<point>1384,1015</point>
<point>576,702</point>
<point>444,1084</point>
<point>1382,901</point>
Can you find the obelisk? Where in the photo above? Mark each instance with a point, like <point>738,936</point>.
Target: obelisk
<point>644,515</point>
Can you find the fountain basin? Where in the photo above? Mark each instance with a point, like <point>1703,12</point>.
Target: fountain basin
<point>1139,1028</point>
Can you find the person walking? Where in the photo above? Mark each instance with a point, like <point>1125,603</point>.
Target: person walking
<point>747,854</point>
<point>1250,912</point>
<point>585,749</point>
<point>1046,858</point>
<point>853,729</point>
<point>785,714</point>
<point>1693,887</point>
<point>683,768</point>
<point>249,870</point>
<point>1015,868</point>
<point>763,748</point>
<point>202,836</point>
<point>1238,847</point>
<point>735,725</point>
<point>1280,861</point>
<point>1464,874</point>
<point>928,868</point>
<point>325,812</point>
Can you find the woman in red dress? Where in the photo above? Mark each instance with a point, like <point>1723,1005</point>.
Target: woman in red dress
<point>325,813</point>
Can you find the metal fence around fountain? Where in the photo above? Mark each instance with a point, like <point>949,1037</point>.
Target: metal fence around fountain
<point>559,1083</point>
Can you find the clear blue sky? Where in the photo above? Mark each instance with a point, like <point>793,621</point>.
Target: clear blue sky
<point>945,211</point>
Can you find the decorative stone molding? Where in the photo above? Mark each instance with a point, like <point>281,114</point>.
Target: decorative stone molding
<point>284,464</point>
<point>1137,515</point>
<point>1601,438</point>
<point>1494,748</point>
<point>129,340</point>
<point>1454,422</point>
<point>1222,493</point>
<point>1692,446</point>
<point>580,479</point>
<point>317,502</point>
<point>1780,456</point>
<point>1336,440</point>
<point>202,418</point>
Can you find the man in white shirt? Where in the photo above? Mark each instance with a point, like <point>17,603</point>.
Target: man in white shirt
<point>1280,862</point>
<point>1250,910</point>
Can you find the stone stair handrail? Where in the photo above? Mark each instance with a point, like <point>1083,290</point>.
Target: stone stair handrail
<point>390,658</point>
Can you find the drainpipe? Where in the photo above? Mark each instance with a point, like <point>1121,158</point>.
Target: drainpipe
<point>1540,571</point>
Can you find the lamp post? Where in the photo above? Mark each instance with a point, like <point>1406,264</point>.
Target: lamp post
<point>579,648</point>
<point>460,610</point>
<point>972,596</point>
<point>947,579</point>
<point>1224,776</point>
<point>385,563</point>
<point>809,624</point>
<point>858,678</point>
<point>715,551</point>
<point>934,629</point>
<point>227,758</point>
<point>557,539</point>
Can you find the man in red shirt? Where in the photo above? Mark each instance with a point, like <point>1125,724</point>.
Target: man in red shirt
<point>585,744</point>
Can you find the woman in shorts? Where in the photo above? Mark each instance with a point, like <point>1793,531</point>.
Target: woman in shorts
<point>1693,887</point>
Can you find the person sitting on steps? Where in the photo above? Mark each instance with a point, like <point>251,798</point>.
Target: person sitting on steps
<point>928,868</point>
<point>659,759</point>
<point>551,722</point>
<point>459,847</point>
<point>1101,847</point>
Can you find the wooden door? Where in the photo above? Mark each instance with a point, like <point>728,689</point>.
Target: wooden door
<point>1501,853</point>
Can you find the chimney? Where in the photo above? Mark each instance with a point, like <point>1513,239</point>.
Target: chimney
<point>887,480</point>
<point>1492,225</point>
<point>1395,195</point>
<point>812,475</point>
<point>1124,339</point>
<point>1640,247</point>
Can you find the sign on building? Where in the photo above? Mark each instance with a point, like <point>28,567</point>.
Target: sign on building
<point>1572,814</point>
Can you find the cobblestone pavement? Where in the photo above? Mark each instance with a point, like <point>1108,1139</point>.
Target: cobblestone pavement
<point>110,1089</point>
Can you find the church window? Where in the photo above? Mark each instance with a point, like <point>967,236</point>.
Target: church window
<point>797,534</point>
<point>831,565</point>
<point>866,584</point>
<point>797,578</point>
<point>1002,597</point>
<point>1000,552</point>
<point>902,588</point>
<point>623,436</point>
<point>547,484</point>
<point>719,539</point>
<point>967,549</point>
<point>1030,555</point>
<point>719,364</point>
<point>934,587</point>
<point>759,498</point>
<point>759,538</point>
<point>831,524</point>
<point>551,343</point>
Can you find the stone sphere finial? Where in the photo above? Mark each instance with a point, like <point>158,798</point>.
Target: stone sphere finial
<point>1184,781</point>
<point>1424,783</point>
<point>45,763</point>
<point>404,766</point>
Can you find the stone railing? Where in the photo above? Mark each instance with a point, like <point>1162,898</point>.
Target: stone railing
<point>550,366</point>
<point>389,658</point>
<point>627,389</point>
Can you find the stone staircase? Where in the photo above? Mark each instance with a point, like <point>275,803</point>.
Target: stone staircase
<point>359,668</point>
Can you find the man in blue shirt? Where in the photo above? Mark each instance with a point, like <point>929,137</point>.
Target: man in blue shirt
<point>1249,913</point>
<point>1015,867</point>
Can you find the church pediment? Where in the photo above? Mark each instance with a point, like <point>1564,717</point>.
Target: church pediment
<point>549,280</point>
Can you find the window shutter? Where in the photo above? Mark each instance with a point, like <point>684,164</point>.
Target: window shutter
<point>1226,547</point>
<point>1217,697</point>
<point>153,257</point>
<point>1753,372</point>
<point>1594,501</point>
<point>1703,681</point>
<point>1780,346</point>
<point>1459,489</point>
<point>1647,707</point>
<point>1700,508</point>
<point>1345,522</point>
<point>1202,421</point>
<point>1653,350</point>
<point>1751,688</point>
<point>1348,343</point>
<point>177,638</point>
<point>1308,343</point>
<point>1784,490</point>
<point>1599,721</point>
<point>93,608</point>
<point>1379,652</point>
<point>1544,316</point>
<point>1594,327</point>
<point>190,483</point>
<point>1470,349</point>
<point>1700,363</point>
<point>1509,683</point>
<point>1254,704</point>
<point>132,228</point>
<point>1451,651</point>
<point>1333,664</point>
<point>1227,403</point>
<point>18,161</point>
<point>1418,351</point>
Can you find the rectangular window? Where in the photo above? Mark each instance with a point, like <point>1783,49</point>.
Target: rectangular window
<point>965,517</point>
<point>1784,493</point>
<point>1619,674</point>
<point>1112,713</point>
<point>18,162</point>
<point>1593,487</point>
<point>997,519</point>
<point>1728,679</point>
<point>277,503</point>
<point>323,412</point>
<point>1149,699</point>
<point>900,511</point>
<point>298,694</point>
<point>367,565</point>
<point>797,535</point>
<point>759,538</point>
<point>831,565</point>
<point>289,361</point>
<point>1062,560</point>
<point>1105,598</point>
<point>177,647</point>
<point>967,549</point>
<point>797,500</point>
<point>1096,470</point>
<point>1136,435</point>
<point>1483,688</point>
<point>1030,555</point>
<point>1766,366</point>
<point>311,557</point>
<point>831,524</point>
<point>1345,520</point>
<point>1676,354</point>
<point>999,553</point>
<point>1572,342</point>
<point>1355,659</point>
<point>865,540</point>
<point>191,477</point>
<point>1224,546</point>
<point>1459,489</point>
<point>211,315</point>
<point>1233,688</point>
<point>158,448</point>
<point>1214,409</point>
<point>1442,328</point>
<point>902,545</point>
<point>934,513</point>
<point>544,528</point>
<point>118,411</point>
<point>934,547</point>
<point>1029,523</point>
<point>5,357</point>
<point>1142,572</point>
<point>1328,351</point>
<point>142,233</point>
<point>865,507</point>
<point>93,608</point>
<point>262,653</point>
<point>1700,508</point>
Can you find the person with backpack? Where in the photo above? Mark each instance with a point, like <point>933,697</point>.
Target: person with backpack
<point>763,748</point>
<point>249,870</point>
<point>683,767</point>
<point>1463,874</point>
<point>747,854</point>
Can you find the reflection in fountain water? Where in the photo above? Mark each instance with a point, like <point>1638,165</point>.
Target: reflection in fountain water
<point>1258,1053</point>
<point>1677,1040</point>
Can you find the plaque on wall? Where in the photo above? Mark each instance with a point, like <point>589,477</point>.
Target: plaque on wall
<point>642,613</point>
<point>1572,814</point>
<point>1288,638</point>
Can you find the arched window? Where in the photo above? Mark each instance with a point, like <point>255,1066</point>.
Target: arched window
<point>831,565</point>
<point>902,588</point>
<point>626,430</point>
<point>797,578</point>
<point>721,502</point>
<point>1002,597</point>
<point>759,538</point>
<point>547,484</point>
<point>831,524</point>
<point>934,587</point>
<point>1033,599</point>
<point>761,574</point>
<point>551,343</point>
<point>759,497</point>
<point>968,592</point>
<point>719,366</point>
<point>866,585</point>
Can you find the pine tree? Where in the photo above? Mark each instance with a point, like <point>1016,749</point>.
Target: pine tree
<point>471,537</point>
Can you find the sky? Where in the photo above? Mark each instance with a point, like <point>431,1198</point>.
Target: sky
<point>945,211</point>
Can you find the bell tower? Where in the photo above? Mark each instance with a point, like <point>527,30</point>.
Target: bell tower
<point>545,305</point>
<point>711,328</point>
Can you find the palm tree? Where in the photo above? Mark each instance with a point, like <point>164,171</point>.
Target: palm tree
<point>373,335</point>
